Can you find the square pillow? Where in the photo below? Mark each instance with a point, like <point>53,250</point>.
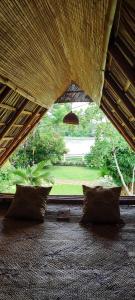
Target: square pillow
<point>101,205</point>
<point>29,203</point>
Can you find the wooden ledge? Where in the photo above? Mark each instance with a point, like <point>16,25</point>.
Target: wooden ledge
<point>67,199</point>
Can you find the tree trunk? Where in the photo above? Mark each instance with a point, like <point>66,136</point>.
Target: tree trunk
<point>121,176</point>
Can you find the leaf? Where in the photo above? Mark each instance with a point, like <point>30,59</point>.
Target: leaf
<point>38,167</point>
<point>21,173</point>
<point>17,181</point>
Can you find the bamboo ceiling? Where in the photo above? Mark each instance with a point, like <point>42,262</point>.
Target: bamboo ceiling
<point>54,51</point>
<point>118,99</point>
<point>46,44</point>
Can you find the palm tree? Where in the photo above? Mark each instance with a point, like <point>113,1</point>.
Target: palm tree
<point>35,175</point>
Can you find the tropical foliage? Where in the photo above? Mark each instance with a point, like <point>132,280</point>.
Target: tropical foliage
<point>35,175</point>
<point>112,154</point>
<point>88,120</point>
<point>48,146</point>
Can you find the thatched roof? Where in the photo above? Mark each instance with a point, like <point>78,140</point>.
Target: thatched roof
<point>49,47</point>
<point>118,99</point>
<point>46,44</point>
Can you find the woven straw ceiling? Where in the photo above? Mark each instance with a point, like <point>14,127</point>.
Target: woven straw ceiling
<point>56,51</point>
<point>46,44</point>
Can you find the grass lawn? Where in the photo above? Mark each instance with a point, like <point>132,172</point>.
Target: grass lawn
<point>66,189</point>
<point>63,173</point>
<point>72,173</point>
<point>76,173</point>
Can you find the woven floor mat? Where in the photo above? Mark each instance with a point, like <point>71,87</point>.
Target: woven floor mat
<point>64,261</point>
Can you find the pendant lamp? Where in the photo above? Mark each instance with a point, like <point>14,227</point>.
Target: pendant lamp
<point>71,118</point>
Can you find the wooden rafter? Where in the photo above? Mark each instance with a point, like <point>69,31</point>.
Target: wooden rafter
<point>27,112</point>
<point>27,130</point>
<point>127,85</point>
<point>126,50</point>
<point>19,113</point>
<point>6,138</point>
<point>4,93</point>
<point>2,148</point>
<point>118,125</point>
<point>14,125</point>
<point>7,106</point>
<point>118,111</point>
<point>13,120</point>
<point>122,62</point>
<point>20,136</point>
<point>17,125</point>
<point>120,93</point>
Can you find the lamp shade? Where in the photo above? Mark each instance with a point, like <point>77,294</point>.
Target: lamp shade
<point>71,118</point>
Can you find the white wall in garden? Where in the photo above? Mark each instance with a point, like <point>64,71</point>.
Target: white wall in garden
<point>79,145</point>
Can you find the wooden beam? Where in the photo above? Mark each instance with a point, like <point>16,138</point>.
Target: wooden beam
<point>20,136</point>
<point>123,63</point>
<point>6,199</point>
<point>19,90</point>
<point>117,124</point>
<point>127,85</point>
<point>14,125</point>
<point>109,62</point>
<point>4,93</point>
<point>7,138</point>
<point>120,93</point>
<point>30,127</point>
<point>2,87</point>
<point>2,148</point>
<point>118,111</point>
<point>125,49</point>
<point>27,112</point>
<point>17,125</point>
<point>116,21</point>
<point>13,120</point>
<point>7,106</point>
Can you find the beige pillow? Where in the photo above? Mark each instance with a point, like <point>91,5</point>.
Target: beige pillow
<point>101,205</point>
<point>29,203</point>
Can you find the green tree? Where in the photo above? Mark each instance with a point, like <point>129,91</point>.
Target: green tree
<point>48,146</point>
<point>88,120</point>
<point>113,155</point>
